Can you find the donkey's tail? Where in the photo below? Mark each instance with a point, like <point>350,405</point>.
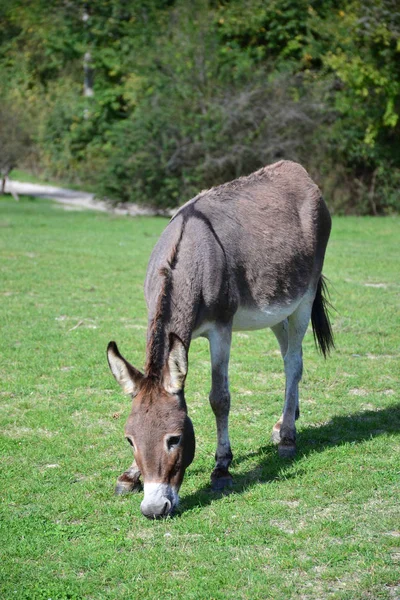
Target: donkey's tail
<point>321,324</point>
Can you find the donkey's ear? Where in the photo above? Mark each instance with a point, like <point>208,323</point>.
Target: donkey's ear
<point>127,376</point>
<point>177,365</point>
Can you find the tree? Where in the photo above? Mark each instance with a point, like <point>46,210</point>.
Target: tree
<point>190,94</point>
<point>15,142</point>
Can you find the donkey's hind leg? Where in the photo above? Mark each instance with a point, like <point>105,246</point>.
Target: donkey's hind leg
<point>293,362</point>
<point>129,481</point>
<point>281,333</point>
<point>220,400</point>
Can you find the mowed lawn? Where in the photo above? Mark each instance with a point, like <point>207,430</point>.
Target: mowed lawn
<point>323,526</point>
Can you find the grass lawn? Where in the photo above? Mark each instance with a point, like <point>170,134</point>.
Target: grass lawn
<point>323,526</point>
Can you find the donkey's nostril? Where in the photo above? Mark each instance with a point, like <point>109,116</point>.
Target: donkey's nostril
<point>166,509</point>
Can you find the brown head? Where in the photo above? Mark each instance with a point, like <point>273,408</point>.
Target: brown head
<point>158,427</point>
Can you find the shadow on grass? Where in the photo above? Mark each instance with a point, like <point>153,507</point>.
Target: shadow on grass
<point>355,428</point>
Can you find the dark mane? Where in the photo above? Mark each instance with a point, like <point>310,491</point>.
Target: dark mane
<point>157,335</point>
<point>156,338</point>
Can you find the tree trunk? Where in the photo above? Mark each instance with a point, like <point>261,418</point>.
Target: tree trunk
<point>89,75</point>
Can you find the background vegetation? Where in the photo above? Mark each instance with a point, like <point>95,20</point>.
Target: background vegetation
<point>324,526</point>
<point>190,94</point>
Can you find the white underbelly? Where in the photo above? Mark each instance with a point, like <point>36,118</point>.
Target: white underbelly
<point>246,319</point>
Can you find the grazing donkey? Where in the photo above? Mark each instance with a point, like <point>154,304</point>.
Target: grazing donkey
<point>244,255</point>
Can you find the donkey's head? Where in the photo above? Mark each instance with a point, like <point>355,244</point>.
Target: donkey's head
<point>158,427</point>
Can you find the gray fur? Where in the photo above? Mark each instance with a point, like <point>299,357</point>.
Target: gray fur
<point>246,254</point>
<point>255,242</point>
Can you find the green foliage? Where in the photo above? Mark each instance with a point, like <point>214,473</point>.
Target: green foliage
<point>14,139</point>
<point>363,67</point>
<point>187,95</point>
<point>169,149</point>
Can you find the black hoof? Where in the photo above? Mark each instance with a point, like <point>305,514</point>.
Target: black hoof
<point>287,450</point>
<point>221,479</point>
<point>222,483</point>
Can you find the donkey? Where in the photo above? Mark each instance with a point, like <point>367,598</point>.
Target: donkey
<point>247,254</point>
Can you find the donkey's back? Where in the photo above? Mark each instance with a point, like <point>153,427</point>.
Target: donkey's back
<point>251,249</point>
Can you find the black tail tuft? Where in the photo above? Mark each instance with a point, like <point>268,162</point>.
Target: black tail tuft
<point>321,325</point>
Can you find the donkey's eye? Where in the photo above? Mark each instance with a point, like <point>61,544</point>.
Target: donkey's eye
<point>130,441</point>
<point>173,441</point>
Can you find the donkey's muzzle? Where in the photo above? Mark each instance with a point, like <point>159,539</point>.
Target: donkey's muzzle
<point>159,500</point>
<point>156,510</point>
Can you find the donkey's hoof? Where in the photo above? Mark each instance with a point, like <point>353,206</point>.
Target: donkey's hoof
<point>122,490</point>
<point>221,483</point>
<point>287,450</point>
<point>276,436</point>
<point>127,486</point>
<point>221,480</point>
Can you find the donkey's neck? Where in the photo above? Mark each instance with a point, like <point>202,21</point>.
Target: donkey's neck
<point>169,312</point>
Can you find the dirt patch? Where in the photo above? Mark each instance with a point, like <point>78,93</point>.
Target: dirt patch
<point>17,432</point>
<point>77,200</point>
<point>358,392</point>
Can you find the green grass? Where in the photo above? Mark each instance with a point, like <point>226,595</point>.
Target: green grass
<point>324,526</point>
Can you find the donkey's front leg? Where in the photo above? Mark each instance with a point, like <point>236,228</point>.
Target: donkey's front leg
<point>220,400</point>
<point>129,481</point>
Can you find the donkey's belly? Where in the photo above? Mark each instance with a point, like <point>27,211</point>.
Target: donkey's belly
<point>247,318</point>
